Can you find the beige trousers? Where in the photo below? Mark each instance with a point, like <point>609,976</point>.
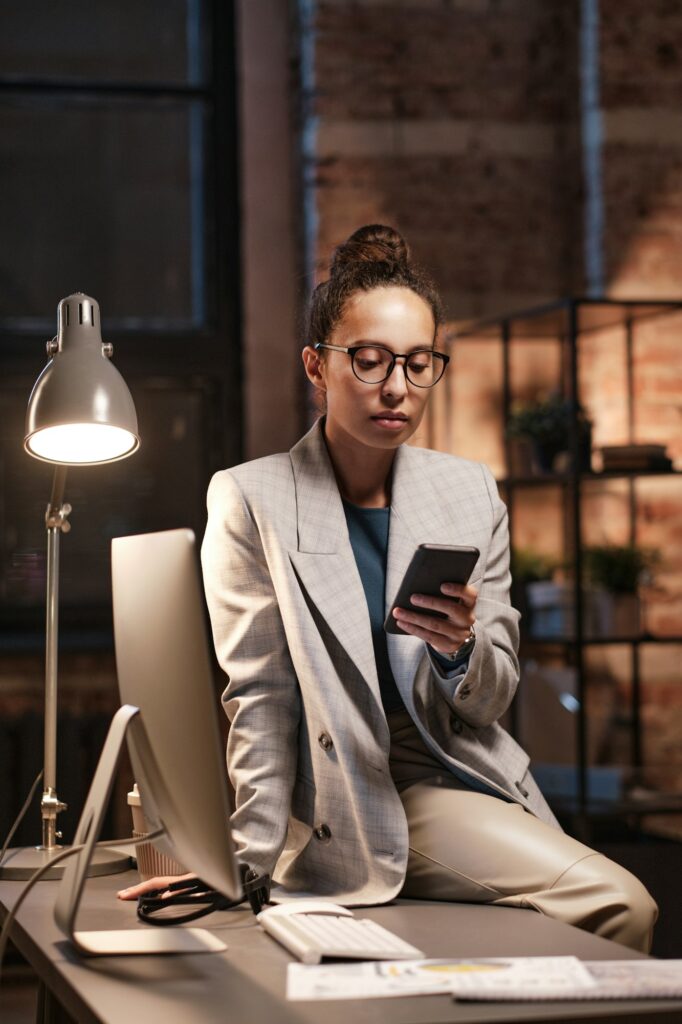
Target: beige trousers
<point>471,847</point>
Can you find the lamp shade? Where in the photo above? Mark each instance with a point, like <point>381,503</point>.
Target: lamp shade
<point>80,411</point>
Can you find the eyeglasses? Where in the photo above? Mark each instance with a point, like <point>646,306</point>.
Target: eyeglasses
<point>372,365</point>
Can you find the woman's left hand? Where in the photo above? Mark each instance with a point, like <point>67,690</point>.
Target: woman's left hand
<point>446,635</point>
<point>161,882</point>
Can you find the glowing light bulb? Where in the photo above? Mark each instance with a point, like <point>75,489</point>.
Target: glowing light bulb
<point>82,443</point>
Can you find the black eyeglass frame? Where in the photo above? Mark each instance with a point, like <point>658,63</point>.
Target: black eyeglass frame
<point>354,349</point>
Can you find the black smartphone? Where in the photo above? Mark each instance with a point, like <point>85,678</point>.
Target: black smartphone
<point>431,565</point>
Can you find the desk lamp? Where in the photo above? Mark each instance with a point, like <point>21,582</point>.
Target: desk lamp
<point>80,413</point>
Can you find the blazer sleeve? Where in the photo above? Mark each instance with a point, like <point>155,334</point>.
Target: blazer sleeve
<point>262,697</point>
<point>485,691</point>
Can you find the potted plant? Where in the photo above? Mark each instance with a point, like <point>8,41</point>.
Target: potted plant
<point>616,573</point>
<point>540,600</point>
<point>542,432</point>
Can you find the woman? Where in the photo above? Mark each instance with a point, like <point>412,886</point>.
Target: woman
<point>364,764</point>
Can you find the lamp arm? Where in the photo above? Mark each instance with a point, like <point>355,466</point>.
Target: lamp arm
<point>56,523</point>
<point>58,485</point>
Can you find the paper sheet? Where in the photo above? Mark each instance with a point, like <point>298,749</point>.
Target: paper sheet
<point>527,978</point>
<point>489,978</point>
<point>631,979</point>
<point>378,979</point>
<point>527,981</point>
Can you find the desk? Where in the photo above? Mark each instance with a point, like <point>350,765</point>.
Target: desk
<point>246,984</point>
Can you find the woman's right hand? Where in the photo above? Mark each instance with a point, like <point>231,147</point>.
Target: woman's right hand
<point>160,882</point>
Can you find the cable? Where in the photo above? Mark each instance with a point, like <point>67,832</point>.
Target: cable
<point>204,900</point>
<point>37,875</point>
<point>20,816</point>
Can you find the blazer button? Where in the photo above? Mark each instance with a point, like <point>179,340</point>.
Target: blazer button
<point>322,833</point>
<point>522,789</point>
<point>456,724</point>
<point>325,741</point>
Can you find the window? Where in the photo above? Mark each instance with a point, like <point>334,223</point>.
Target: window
<point>117,178</point>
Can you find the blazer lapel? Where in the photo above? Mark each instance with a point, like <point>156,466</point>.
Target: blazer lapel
<point>324,560</point>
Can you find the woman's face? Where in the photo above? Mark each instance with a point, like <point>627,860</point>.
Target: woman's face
<point>380,415</point>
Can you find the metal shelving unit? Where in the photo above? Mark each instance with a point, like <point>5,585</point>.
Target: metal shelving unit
<point>566,321</point>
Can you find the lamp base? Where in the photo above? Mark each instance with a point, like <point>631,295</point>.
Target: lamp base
<point>22,862</point>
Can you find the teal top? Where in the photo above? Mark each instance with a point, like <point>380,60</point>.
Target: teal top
<point>368,532</point>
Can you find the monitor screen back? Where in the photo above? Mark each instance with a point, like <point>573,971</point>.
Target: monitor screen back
<point>164,668</point>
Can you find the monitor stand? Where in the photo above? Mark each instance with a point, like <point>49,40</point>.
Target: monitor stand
<point>136,940</point>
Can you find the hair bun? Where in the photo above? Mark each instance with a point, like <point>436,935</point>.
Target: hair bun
<point>373,243</point>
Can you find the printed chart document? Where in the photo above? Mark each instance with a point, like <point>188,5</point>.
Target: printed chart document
<point>509,979</point>
<point>376,979</point>
<point>525,978</point>
<point>368,980</point>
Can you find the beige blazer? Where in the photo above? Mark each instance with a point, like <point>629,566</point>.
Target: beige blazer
<point>308,744</point>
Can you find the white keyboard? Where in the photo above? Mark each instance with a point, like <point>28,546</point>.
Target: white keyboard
<point>333,933</point>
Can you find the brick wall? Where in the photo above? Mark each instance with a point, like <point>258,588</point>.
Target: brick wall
<point>459,121</point>
<point>641,85</point>
<point>451,121</point>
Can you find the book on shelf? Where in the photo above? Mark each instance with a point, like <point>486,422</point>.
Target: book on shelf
<point>635,457</point>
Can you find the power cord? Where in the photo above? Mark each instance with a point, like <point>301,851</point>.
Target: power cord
<point>20,817</point>
<point>43,869</point>
<point>190,891</point>
<point>197,894</point>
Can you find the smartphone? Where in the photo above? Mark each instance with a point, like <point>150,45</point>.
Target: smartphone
<point>431,565</point>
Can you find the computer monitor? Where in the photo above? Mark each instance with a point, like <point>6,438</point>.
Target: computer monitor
<point>169,714</point>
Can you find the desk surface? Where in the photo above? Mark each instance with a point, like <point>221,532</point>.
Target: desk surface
<point>247,983</point>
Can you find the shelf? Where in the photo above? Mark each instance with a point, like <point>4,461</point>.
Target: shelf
<point>601,641</point>
<point>552,319</point>
<point>628,474</point>
<point>547,479</point>
<point>571,493</point>
<point>654,803</point>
